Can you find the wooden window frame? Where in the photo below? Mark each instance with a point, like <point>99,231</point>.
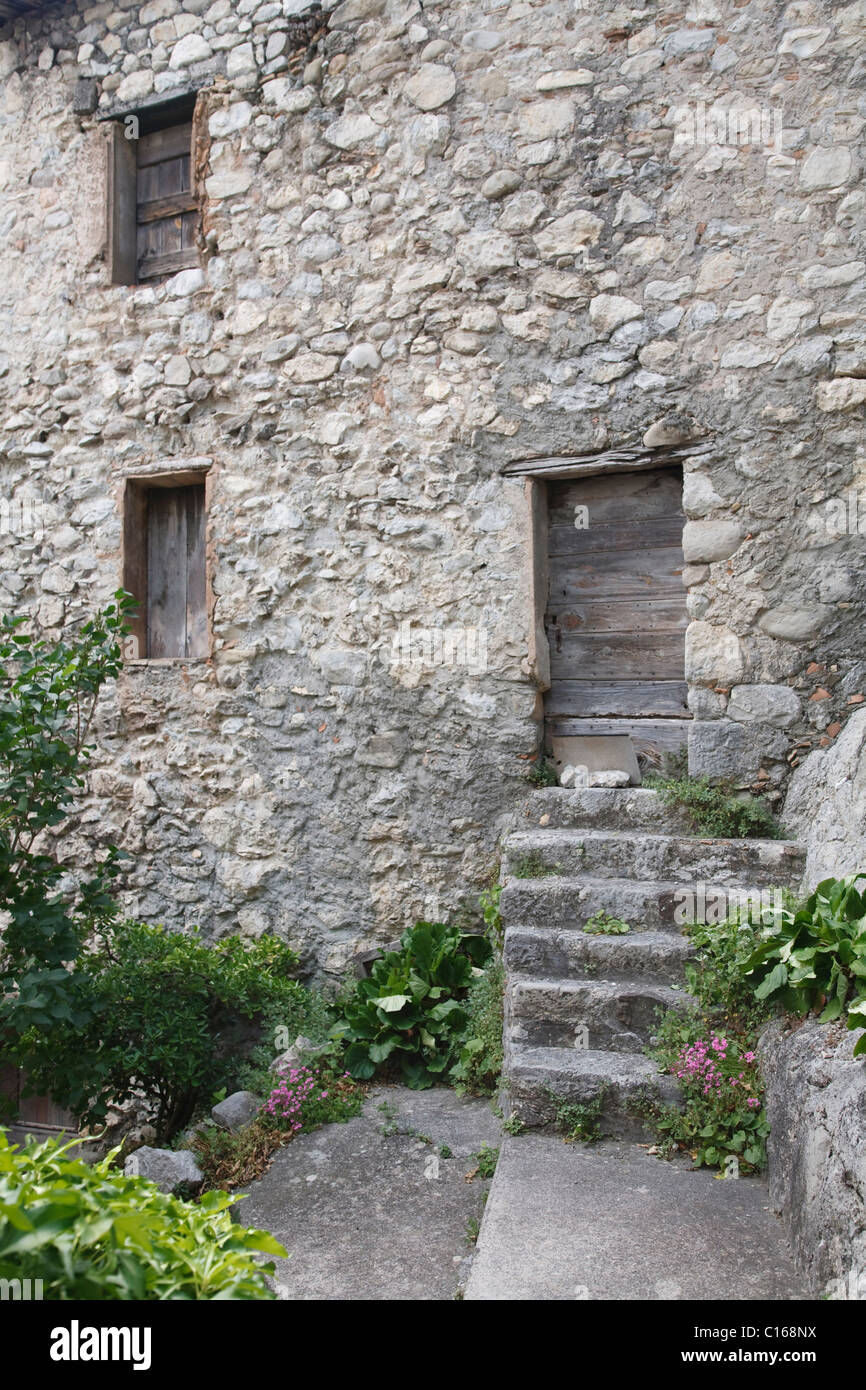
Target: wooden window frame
<point>134,559</point>
<point>122,183</point>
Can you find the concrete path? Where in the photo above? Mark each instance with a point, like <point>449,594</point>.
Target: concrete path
<point>374,1209</point>
<point>609,1221</point>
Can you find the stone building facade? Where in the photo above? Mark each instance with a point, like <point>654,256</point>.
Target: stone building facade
<point>431,241</point>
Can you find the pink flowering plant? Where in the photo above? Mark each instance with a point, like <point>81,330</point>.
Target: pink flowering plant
<point>723,1111</point>
<point>710,1048</point>
<point>306,1097</point>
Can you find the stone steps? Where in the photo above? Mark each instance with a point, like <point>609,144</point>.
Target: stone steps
<point>643,855</point>
<point>538,1076</point>
<point>626,808</point>
<point>648,957</point>
<point>611,1015</point>
<point>565,902</point>
<point>580,1007</point>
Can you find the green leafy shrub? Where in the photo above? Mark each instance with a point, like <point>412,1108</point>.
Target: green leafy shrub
<point>166,1018</point>
<point>89,1232</point>
<point>48,697</point>
<point>489,905</point>
<point>715,809</point>
<point>479,1065</point>
<point>579,1121</point>
<point>532,865</point>
<point>411,1008</point>
<point>815,956</point>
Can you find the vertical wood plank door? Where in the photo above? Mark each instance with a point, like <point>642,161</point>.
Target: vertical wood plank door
<point>176,572</point>
<point>616,611</point>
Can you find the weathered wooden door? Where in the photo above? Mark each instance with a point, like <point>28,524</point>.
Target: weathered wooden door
<point>176,573</point>
<point>616,611</point>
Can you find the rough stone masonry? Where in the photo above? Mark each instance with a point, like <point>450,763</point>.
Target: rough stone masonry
<point>434,239</point>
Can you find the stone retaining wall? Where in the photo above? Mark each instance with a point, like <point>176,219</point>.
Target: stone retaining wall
<point>816,1106</point>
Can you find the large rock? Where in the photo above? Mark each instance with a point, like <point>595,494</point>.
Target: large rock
<point>168,1168</point>
<point>767,704</point>
<point>713,654</point>
<point>795,624</point>
<point>826,804</point>
<point>816,1107</point>
<point>431,86</point>
<point>569,234</point>
<point>722,748</point>
<point>236,1111</point>
<point>706,541</point>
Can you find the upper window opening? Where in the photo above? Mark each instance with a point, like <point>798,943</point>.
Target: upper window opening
<point>153,208</point>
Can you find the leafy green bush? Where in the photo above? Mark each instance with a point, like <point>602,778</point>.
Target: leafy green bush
<point>166,1017</point>
<point>489,905</point>
<point>815,956</point>
<point>48,697</point>
<point>412,1004</point>
<point>715,809</point>
<point>88,1232</point>
<point>480,1062</point>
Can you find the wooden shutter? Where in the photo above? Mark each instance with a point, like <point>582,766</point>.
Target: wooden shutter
<point>165,204</point>
<point>122,269</point>
<point>176,574</point>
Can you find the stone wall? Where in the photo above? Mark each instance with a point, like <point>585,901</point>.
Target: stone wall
<point>826,806</point>
<point>434,241</point>
<point>816,1106</point>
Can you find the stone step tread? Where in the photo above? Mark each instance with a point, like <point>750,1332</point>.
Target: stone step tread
<point>558,953</point>
<point>547,836</point>
<point>576,897</point>
<point>620,1079</point>
<point>639,942</point>
<point>595,807</point>
<point>643,855</point>
<point>662,993</point>
<point>567,1063</point>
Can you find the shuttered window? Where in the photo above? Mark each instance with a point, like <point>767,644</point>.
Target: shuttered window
<point>165,568</point>
<point>165,203</point>
<point>152,204</point>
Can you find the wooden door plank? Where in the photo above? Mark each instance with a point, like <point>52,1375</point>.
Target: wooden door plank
<point>171,143</point>
<point>196,599</point>
<point>616,699</point>
<point>618,575</point>
<point>665,735</point>
<point>618,497</point>
<point>619,656</point>
<point>658,614</point>
<point>167,572</point>
<point>653,534</point>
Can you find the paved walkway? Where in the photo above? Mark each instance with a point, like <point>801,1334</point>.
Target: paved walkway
<point>372,1209</point>
<point>609,1221</point>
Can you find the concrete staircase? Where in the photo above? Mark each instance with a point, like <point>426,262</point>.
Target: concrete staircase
<point>579,1008</point>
